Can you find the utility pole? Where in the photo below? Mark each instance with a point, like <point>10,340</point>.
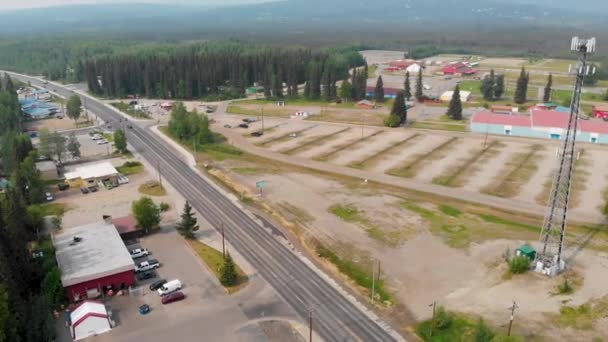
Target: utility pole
<point>160,179</point>
<point>310,325</point>
<point>512,308</point>
<point>433,318</point>
<point>223,240</point>
<point>373,280</point>
<point>262,119</point>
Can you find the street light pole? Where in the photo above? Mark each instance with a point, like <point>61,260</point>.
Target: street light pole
<point>310,325</point>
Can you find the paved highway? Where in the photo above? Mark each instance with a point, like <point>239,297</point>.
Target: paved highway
<point>335,317</point>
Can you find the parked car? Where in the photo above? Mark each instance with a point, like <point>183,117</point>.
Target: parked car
<point>256,134</point>
<point>97,137</point>
<point>244,125</point>
<point>62,186</point>
<point>102,142</point>
<point>293,135</point>
<point>84,190</point>
<point>138,253</point>
<point>146,275</point>
<point>129,127</point>
<point>227,126</point>
<point>157,284</point>
<point>92,188</point>
<point>123,179</point>
<point>147,265</point>
<point>170,286</point>
<point>48,196</point>
<point>173,297</point>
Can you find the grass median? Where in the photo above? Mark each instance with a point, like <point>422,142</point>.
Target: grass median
<point>214,261</point>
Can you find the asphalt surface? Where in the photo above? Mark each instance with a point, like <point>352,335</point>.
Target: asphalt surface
<point>335,317</point>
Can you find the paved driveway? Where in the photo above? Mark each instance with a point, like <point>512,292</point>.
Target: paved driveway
<point>207,313</point>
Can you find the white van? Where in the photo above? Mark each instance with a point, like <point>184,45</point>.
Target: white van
<point>170,286</point>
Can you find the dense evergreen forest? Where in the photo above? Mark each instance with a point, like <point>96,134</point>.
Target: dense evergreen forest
<point>29,286</point>
<point>214,68</point>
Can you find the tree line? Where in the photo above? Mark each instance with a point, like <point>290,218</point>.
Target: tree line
<point>29,286</point>
<point>210,69</point>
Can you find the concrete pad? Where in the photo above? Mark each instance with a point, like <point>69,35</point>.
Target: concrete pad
<point>369,147</point>
<point>350,135</point>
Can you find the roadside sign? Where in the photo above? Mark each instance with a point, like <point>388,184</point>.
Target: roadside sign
<point>260,184</point>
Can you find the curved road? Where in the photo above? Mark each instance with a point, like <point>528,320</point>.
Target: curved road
<point>336,318</point>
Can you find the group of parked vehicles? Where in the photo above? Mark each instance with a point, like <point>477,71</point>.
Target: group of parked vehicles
<point>167,290</point>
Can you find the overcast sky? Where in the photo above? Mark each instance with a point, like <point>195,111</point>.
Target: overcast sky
<point>16,4</point>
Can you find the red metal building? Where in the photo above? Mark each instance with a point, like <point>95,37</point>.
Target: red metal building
<point>93,259</point>
<point>600,111</point>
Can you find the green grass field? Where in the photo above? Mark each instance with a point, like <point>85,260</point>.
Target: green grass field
<point>214,261</point>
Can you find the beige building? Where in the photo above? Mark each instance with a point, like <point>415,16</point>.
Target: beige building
<point>90,175</point>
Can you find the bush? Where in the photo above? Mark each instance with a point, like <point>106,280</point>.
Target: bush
<point>228,275</point>
<point>565,287</point>
<point>519,264</point>
<point>163,207</point>
<point>443,319</point>
<point>392,121</point>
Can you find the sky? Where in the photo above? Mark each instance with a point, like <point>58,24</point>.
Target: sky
<point>18,4</point>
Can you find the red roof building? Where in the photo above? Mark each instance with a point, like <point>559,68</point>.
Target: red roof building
<point>600,111</point>
<point>458,68</point>
<point>501,119</point>
<point>401,64</point>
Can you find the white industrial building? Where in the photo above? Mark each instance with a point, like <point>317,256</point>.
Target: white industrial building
<point>89,318</point>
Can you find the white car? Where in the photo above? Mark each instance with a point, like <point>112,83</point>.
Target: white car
<point>123,179</point>
<point>139,252</point>
<point>102,142</point>
<point>49,197</point>
<point>97,137</point>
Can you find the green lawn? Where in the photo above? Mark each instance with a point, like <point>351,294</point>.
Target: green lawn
<point>472,86</point>
<point>360,275</point>
<point>125,108</point>
<point>152,189</point>
<point>214,261</point>
<point>131,168</point>
<point>52,209</point>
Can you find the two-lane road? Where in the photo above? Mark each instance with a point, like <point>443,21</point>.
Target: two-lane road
<point>336,318</point>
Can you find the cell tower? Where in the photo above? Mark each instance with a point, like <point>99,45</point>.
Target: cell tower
<point>549,260</point>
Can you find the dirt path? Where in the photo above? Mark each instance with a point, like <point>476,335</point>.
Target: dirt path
<point>486,174</point>
<point>592,198</point>
<point>241,142</point>
<point>536,183</point>
<point>422,145</point>
<point>456,157</point>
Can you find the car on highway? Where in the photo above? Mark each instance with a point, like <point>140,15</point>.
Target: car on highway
<point>146,275</point>
<point>139,252</point>
<point>173,297</point>
<point>147,265</point>
<point>157,284</point>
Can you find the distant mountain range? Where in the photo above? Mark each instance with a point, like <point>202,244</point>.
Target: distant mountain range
<point>301,16</point>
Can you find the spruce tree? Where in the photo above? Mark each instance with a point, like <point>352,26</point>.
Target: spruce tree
<point>345,89</point>
<point>547,93</point>
<point>228,275</point>
<point>354,88</point>
<point>487,87</point>
<point>379,91</point>
<point>399,108</point>
<point>188,225</point>
<point>419,93</point>
<point>407,87</point>
<point>521,88</point>
<point>455,108</point>
<point>499,87</point>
